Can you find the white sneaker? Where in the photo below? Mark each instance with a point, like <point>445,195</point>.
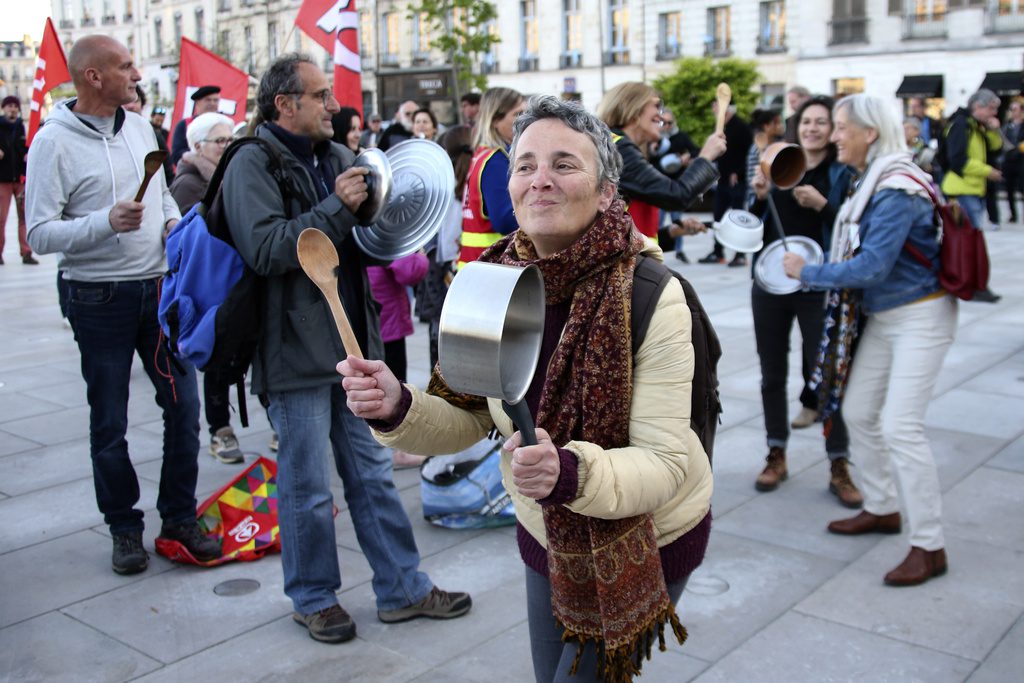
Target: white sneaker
<point>224,446</point>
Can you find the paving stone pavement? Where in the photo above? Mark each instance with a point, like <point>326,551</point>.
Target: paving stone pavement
<point>777,599</point>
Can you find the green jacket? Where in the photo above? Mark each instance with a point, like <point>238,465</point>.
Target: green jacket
<point>967,145</point>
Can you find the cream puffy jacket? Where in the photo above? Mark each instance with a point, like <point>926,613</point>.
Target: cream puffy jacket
<point>663,471</point>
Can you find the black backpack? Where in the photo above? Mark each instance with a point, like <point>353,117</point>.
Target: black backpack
<point>649,278</point>
<point>211,307</point>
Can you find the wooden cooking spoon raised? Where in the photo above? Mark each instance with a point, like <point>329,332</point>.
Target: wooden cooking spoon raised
<point>153,162</point>
<point>723,96</point>
<point>319,260</point>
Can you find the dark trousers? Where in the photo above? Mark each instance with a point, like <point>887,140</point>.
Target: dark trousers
<point>773,322</point>
<point>992,202</point>
<point>727,197</point>
<point>394,358</point>
<point>113,321</point>
<point>1012,178</point>
<point>216,401</point>
<point>552,658</point>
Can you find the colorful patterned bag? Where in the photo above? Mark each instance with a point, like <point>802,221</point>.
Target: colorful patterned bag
<point>242,516</point>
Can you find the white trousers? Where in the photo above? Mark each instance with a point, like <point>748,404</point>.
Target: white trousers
<point>900,354</point>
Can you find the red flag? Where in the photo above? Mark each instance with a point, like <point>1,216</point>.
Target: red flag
<point>333,24</point>
<point>51,71</point>
<point>201,67</point>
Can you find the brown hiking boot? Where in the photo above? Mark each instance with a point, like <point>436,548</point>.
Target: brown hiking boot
<point>842,485</point>
<point>774,472</point>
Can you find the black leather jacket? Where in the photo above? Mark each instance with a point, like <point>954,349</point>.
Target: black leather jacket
<point>641,180</point>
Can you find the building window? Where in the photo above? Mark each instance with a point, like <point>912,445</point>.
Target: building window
<point>200,26</point>
<point>1005,16</point>
<point>224,44</point>
<point>926,19</point>
<point>391,38</point>
<point>177,33</point>
<point>128,10</point>
<point>365,33</point>
<point>223,5</point>
<point>272,49</point>
<point>719,36</point>
<point>489,62</point>
<point>530,39</point>
<point>618,36</point>
<point>421,38</point>
<point>250,50</point>
<point>670,35</point>
<point>849,22</point>
<point>847,86</point>
<point>772,34</point>
<point>87,17</point>
<point>572,34</point>
<point>158,36</point>
<point>131,45</point>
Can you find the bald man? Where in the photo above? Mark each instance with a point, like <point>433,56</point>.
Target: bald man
<point>401,128</point>
<point>86,167</point>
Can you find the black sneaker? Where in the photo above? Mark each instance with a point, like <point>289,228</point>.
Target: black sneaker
<point>712,258</point>
<point>331,625</point>
<point>129,556</point>
<point>986,295</point>
<point>681,256</point>
<point>202,547</point>
<point>29,261</point>
<point>737,261</point>
<point>438,604</point>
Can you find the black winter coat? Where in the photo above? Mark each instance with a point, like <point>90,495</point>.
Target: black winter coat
<point>12,142</point>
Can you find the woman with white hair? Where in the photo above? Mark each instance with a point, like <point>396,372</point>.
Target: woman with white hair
<point>910,325</point>
<point>208,136</point>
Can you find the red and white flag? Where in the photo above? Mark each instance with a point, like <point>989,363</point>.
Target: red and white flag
<point>51,71</point>
<point>201,67</point>
<point>333,24</point>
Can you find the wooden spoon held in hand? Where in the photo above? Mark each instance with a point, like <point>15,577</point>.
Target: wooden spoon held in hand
<point>319,260</point>
<point>723,96</point>
<point>153,162</point>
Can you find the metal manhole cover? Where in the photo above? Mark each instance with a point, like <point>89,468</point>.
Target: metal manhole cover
<point>235,587</point>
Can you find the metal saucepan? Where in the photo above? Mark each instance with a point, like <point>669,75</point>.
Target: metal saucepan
<point>379,182</point>
<point>784,164</point>
<point>768,272</point>
<point>740,231</point>
<point>492,325</point>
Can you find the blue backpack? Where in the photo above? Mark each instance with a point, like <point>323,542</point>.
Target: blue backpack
<point>211,302</point>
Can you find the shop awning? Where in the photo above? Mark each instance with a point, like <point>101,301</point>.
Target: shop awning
<point>920,86</point>
<point>1003,82</point>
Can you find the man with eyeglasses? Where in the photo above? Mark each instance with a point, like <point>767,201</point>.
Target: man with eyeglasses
<point>297,353</point>
<point>87,165</point>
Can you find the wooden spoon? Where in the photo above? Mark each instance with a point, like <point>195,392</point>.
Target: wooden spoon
<point>319,259</point>
<point>723,96</point>
<point>153,162</point>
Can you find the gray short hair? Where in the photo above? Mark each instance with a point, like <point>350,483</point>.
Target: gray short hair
<point>875,113</point>
<point>982,98</point>
<point>538,107</point>
<point>280,78</point>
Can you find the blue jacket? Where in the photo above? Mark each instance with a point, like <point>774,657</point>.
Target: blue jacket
<point>889,276</point>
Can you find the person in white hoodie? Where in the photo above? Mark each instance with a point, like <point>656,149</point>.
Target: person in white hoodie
<point>86,166</point>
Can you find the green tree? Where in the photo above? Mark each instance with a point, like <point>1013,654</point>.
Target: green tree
<point>690,90</point>
<point>461,30</point>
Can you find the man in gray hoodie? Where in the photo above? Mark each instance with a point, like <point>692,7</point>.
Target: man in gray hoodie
<point>85,167</point>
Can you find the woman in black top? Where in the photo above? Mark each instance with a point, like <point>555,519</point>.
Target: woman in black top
<point>808,209</point>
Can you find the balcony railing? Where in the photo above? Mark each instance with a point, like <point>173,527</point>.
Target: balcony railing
<point>1003,23</point>
<point>847,31</point>
<point>489,67</point>
<point>67,23</point>
<point>774,44</point>
<point>665,51</point>
<point>127,17</point>
<point>616,57</point>
<point>530,63</point>
<point>420,58</point>
<point>389,59</point>
<point>568,60</point>
<point>718,48</point>
<point>88,21</point>
<point>108,19</point>
<point>924,26</point>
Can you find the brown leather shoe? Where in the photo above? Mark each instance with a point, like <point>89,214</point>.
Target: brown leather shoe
<point>866,523</point>
<point>842,485</point>
<point>919,566</point>
<point>774,472</point>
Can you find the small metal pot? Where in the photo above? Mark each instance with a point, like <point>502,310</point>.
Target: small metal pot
<point>492,325</point>
<point>740,231</point>
<point>784,164</point>
<point>768,272</point>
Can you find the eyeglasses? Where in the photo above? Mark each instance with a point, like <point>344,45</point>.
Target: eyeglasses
<point>222,142</point>
<point>325,95</point>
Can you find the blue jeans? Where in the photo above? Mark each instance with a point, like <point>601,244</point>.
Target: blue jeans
<point>112,321</point>
<point>310,424</point>
<point>552,658</point>
<point>975,208</point>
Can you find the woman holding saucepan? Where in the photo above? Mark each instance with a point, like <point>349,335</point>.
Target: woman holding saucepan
<point>809,209</point>
<point>486,207</point>
<point>910,325</point>
<point>633,112</point>
<point>616,481</point>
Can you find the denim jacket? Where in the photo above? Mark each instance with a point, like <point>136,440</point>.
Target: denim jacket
<point>889,276</point>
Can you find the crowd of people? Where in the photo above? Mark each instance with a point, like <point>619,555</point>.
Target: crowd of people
<point>583,197</point>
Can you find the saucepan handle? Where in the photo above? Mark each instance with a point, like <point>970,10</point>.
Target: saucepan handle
<point>520,414</point>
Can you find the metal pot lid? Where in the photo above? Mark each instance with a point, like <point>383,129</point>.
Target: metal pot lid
<point>423,185</point>
<point>379,184</point>
<point>768,272</point>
